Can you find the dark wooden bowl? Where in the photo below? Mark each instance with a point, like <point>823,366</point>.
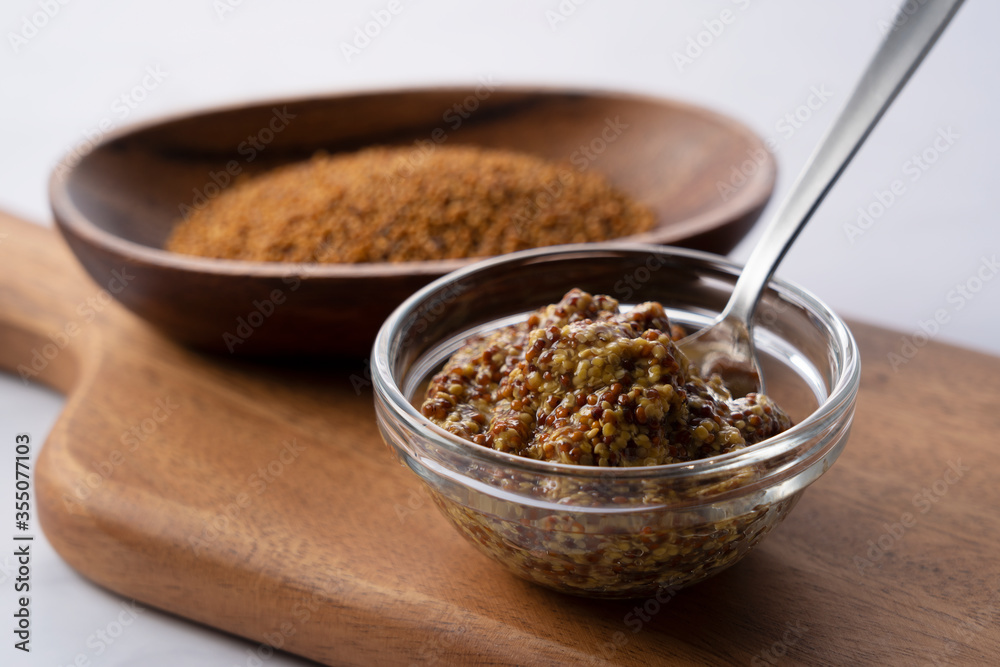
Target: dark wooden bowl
<point>118,203</point>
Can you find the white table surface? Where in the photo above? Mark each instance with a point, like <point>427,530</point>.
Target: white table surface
<point>64,79</point>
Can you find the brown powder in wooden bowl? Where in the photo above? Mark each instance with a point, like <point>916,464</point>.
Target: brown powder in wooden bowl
<point>393,205</point>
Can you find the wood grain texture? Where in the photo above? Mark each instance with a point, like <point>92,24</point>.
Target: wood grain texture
<point>117,204</point>
<point>265,504</point>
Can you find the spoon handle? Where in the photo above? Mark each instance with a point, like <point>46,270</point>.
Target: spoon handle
<point>896,59</point>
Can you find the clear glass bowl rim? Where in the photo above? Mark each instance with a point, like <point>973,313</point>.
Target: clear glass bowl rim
<point>802,436</point>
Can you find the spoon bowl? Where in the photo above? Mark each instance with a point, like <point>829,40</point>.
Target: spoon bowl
<point>118,203</point>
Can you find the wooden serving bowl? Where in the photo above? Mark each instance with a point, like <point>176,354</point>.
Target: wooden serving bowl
<point>707,177</point>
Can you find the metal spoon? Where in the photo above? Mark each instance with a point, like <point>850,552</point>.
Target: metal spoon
<point>726,346</point>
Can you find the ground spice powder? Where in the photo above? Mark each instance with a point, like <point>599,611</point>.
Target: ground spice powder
<point>388,204</point>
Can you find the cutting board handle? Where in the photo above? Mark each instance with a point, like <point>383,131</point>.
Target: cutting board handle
<point>48,306</point>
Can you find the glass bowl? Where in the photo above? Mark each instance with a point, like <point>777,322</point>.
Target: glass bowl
<point>616,532</point>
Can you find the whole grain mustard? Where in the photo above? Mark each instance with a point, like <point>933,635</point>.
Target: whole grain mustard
<point>581,382</point>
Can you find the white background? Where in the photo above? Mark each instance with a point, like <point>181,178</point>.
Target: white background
<point>64,78</point>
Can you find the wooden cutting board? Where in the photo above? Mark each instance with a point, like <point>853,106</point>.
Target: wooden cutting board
<point>260,500</point>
